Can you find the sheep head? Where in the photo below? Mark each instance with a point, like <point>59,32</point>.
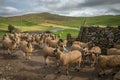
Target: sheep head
<point>57,53</point>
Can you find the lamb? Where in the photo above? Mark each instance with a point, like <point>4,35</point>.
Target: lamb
<point>113,51</point>
<point>106,62</point>
<point>66,59</point>
<point>27,48</point>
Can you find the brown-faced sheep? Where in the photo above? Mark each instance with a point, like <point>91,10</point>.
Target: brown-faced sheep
<point>93,54</point>
<point>107,62</point>
<point>27,48</point>
<point>9,44</point>
<point>47,51</point>
<point>65,59</point>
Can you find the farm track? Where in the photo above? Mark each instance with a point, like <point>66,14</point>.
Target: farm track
<point>17,68</point>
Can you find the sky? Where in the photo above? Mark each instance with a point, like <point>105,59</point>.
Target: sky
<point>61,7</point>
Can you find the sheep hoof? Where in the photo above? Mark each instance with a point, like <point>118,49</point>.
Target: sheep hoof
<point>101,75</point>
<point>59,72</point>
<point>113,74</point>
<point>77,70</point>
<point>66,74</point>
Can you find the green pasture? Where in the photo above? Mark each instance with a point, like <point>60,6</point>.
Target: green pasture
<point>64,33</point>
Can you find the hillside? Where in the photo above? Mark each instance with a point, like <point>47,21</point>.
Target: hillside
<point>37,19</point>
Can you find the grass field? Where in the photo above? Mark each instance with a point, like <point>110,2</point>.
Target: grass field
<point>47,21</point>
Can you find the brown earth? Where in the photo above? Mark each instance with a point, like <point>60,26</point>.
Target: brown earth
<point>17,68</point>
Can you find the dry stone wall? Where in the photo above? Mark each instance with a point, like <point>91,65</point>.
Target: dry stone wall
<point>102,37</point>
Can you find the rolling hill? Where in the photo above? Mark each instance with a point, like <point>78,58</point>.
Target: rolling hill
<point>38,18</point>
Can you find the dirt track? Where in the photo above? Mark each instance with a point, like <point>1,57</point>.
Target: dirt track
<point>12,68</point>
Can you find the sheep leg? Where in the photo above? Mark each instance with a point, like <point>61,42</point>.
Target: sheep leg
<point>12,51</point>
<point>59,71</point>
<point>67,70</point>
<point>101,73</point>
<point>45,61</point>
<point>45,58</point>
<point>29,57</point>
<point>9,52</point>
<point>78,66</point>
<point>26,55</point>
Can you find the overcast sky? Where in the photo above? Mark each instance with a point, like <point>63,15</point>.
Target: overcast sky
<point>61,7</point>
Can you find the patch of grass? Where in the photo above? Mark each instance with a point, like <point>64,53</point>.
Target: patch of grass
<point>64,33</point>
<point>72,23</point>
<point>19,23</point>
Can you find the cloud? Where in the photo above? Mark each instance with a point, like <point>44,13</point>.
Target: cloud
<point>62,7</point>
<point>8,11</point>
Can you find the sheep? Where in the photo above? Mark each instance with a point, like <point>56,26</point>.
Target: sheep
<point>40,42</point>
<point>66,59</point>
<point>83,44</point>
<point>12,46</point>
<point>27,48</point>
<point>62,42</point>
<point>47,39</point>
<point>117,46</point>
<point>53,43</point>
<point>9,44</point>
<point>47,51</point>
<point>107,62</point>
<point>75,47</point>
<point>5,41</point>
<point>113,51</point>
<point>93,54</point>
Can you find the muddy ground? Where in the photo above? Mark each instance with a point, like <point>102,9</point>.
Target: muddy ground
<point>16,67</point>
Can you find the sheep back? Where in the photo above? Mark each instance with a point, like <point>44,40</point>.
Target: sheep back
<point>113,51</point>
<point>71,57</point>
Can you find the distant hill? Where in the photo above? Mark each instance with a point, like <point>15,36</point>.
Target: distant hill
<point>38,18</point>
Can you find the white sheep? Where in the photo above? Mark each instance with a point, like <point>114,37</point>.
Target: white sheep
<point>107,62</point>
<point>66,59</point>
